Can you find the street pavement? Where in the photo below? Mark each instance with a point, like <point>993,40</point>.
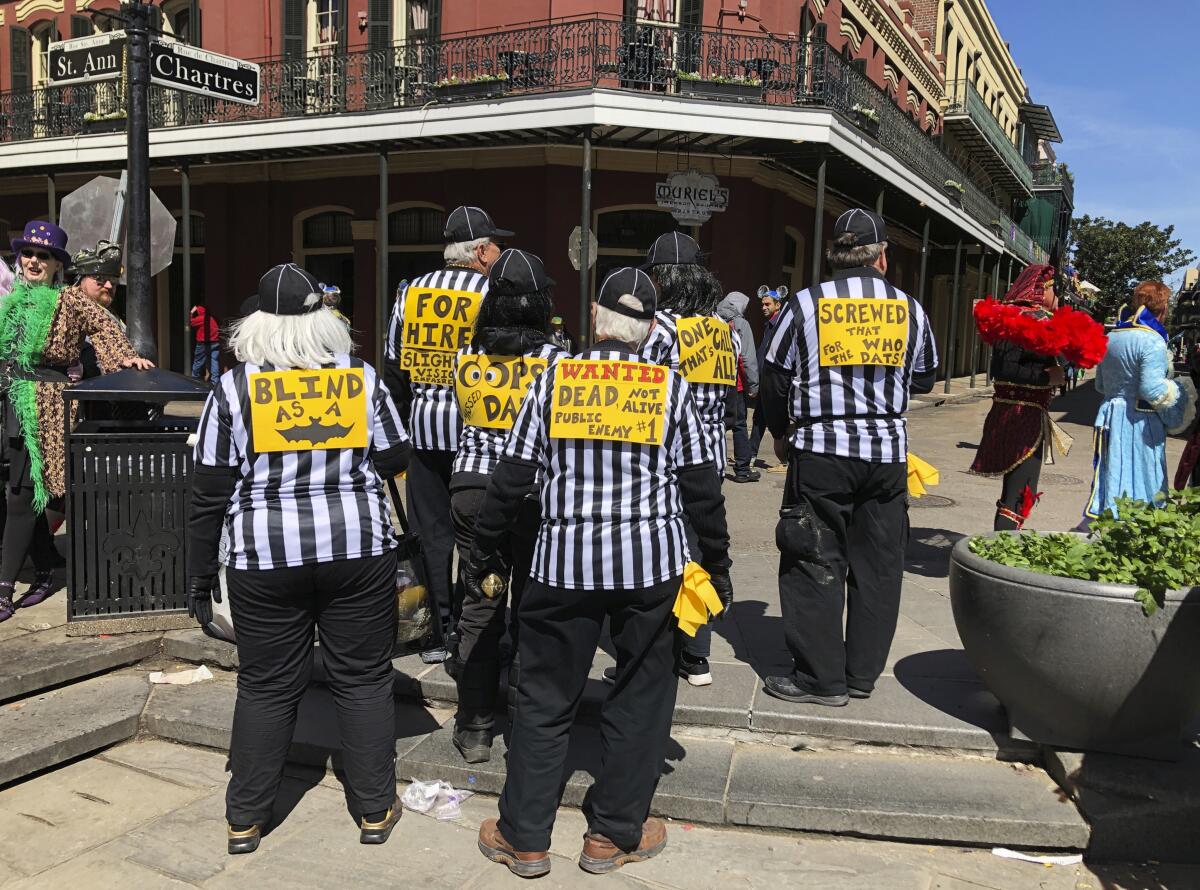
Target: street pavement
<point>149,815</point>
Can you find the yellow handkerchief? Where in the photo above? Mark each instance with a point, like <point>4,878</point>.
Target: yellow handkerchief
<point>697,599</point>
<point>920,474</point>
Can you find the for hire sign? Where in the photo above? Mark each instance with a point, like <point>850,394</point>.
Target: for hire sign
<point>692,197</point>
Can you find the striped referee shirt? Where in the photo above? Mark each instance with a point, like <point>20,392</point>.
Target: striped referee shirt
<point>435,423</point>
<point>480,447</point>
<point>847,406</point>
<point>612,515</point>
<point>662,348</point>
<point>310,505</point>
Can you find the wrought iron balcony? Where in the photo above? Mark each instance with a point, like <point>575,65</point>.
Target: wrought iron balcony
<point>969,119</point>
<point>1054,177</point>
<point>586,53</point>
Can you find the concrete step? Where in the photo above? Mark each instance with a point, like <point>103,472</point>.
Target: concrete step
<point>949,709</point>
<point>45,730</point>
<point>962,800</point>
<point>50,658</point>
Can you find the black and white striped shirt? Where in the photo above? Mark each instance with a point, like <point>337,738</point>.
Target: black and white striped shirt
<point>663,348</point>
<point>612,515</point>
<point>853,363</point>
<point>315,503</point>
<point>425,346</point>
<point>488,418</point>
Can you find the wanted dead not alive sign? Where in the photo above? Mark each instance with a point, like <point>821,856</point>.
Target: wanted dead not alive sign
<point>609,400</point>
<point>857,331</point>
<point>437,323</point>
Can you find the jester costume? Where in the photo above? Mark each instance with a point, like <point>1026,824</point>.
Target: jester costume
<point>1027,341</point>
<point>1142,404</point>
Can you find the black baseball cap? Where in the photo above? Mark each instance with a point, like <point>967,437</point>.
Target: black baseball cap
<point>675,249</point>
<point>518,272</point>
<point>469,223</point>
<point>628,281</point>
<point>865,226</point>
<point>286,290</point>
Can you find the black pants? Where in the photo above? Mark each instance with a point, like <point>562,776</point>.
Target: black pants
<point>559,632</point>
<point>428,497</point>
<point>481,624</point>
<point>842,534</point>
<point>353,604</point>
<point>757,430</point>
<point>26,532</point>
<point>735,419</point>
<point>1026,473</point>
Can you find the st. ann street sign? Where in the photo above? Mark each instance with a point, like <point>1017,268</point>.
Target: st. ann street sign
<point>88,59</point>
<point>173,65</point>
<point>184,67</point>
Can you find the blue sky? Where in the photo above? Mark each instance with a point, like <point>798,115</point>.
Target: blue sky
<point>1121,80</point>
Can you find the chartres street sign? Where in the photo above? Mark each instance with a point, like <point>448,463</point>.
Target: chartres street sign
<point>691,196</point>
<point>183,67</point>
<point>88,59</point>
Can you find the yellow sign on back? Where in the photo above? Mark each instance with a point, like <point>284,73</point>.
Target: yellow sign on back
<point>437,323</point>
<point>706,351</point>
<point>308,410</point>
<point>619,401</point>
<point>491,388</point>
<point>855,331</point>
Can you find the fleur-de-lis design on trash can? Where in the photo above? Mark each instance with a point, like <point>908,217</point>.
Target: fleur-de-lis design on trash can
<point>142,551</point>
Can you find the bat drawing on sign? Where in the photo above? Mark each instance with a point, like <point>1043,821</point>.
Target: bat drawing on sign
<point>315,432</point>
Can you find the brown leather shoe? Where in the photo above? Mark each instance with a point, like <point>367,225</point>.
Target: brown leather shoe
<point>521,863</point>
<point>600,855</point>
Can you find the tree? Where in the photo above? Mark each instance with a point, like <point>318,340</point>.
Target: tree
<point>1115,256</point>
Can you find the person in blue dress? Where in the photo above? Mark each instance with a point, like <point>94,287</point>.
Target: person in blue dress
<point>1142,404</point>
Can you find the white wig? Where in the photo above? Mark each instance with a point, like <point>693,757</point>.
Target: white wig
<point>462,253</point>
<point>290,341</point>
<point>612,325</point>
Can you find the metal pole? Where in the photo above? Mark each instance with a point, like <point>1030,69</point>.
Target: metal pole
<point>975,330</point>
<point>1008,286</point>
<point>995,288</point>
<point>185,186</point>
<point>924,263</point>
<point>382,245</point>
<point>818,221</point>
<point>140,307</point>
<point>585,232</point>
<point>51,199</point>
<point>879,203</point>
<point>953,315</point>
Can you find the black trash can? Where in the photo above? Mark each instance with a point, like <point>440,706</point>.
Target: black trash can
<point>129,469</point>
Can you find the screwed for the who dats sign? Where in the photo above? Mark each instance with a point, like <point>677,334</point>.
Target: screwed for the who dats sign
<point>610,400</point>
<point>437,324</point>
<point>854,331</point>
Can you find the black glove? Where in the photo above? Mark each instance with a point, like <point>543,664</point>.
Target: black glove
<point>724,588</point>
<point>202,590</point>
<point>479,567</point>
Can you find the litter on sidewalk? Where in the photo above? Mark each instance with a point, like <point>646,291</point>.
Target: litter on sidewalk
<point>1005,853</point>
<point>438,799</point>
<point>182,678</point>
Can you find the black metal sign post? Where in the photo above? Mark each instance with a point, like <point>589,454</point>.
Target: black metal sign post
<point>140,308</point>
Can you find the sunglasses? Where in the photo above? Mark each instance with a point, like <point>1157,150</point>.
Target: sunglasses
<point>40,254</point>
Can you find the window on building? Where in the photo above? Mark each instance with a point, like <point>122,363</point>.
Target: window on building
<point>415,243</point>
<point>327,251</point>
<point>688,13</point>
<point>793,261</point>
<point>179,350</point>
<point>624,236</point>
<point>181,20</point>
<point>20,56</point>
<point>81,26</point>
<point>44,34</point>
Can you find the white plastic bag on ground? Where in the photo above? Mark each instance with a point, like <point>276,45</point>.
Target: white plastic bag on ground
<point>438,799</point>
<point>1037,858</point>
<point>182,678</point>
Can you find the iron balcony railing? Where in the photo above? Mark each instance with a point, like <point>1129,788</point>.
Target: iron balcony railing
<point>1048,175</point>
<point>564,55</point>
<point>965,99</point>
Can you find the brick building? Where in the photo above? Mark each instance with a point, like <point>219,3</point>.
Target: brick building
<point>378,116</point>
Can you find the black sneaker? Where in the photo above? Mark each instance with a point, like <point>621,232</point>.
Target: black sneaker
<point>761,464</point>
<point>858,693</point>
<point>694,670</point>
<point>610,675</point>
<point>379,832</point>
<point>436,655</point>
<point>784,688</point>
<point>242,840</point>
<point>746,476</point>
<point>475,745</point>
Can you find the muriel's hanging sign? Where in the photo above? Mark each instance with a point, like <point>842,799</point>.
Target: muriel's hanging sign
<point>691,196</point>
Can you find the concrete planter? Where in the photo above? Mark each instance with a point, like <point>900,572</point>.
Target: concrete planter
<point>471,91</point>
<point>1075,663</point>
<point>712,89</point>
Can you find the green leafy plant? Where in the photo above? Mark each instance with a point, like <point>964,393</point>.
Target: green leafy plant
<point>91,116</point>
<point>747,79</point>
<point>866,112</point>
<point>478,78</point>
<point>952,184</point>
<point>1155,548</point>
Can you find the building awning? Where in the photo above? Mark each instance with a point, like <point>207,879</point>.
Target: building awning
<point>1041,121</point>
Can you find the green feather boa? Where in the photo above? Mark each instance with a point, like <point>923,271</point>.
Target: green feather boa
<point>25,318</point>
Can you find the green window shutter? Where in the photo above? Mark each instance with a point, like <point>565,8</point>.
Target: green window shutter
<point>196,19</point>
<point>293,29</point>
<point>21,58</point>
<point>379,24</point>
<point>81,26</point>
<point>691,13</point>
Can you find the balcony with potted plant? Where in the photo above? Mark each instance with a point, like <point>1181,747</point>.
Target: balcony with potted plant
<point>471,89</point>
<point>733,88</point>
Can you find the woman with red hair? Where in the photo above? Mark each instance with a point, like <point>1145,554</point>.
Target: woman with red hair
<point>1029,335</point>
<point>1141,405</point>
